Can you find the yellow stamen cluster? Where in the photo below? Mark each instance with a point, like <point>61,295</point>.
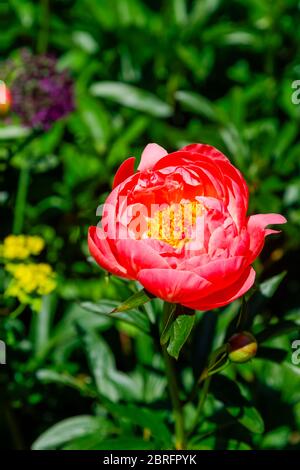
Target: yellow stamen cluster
<point>175,223</point>
<point>21,246</point>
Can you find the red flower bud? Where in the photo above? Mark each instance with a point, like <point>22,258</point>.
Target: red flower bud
<point>242,347</point>
<point>5,99</point>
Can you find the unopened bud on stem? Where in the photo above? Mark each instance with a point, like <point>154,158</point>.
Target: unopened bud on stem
<point>242,347</point>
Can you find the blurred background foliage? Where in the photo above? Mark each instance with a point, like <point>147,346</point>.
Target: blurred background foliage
<point>171,72</point>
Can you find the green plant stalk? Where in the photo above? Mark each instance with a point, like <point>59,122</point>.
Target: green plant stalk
<point>201,403</point>
<point>20,309</point>
<point>43,37</point>
<point>180,438</point>
<point>21,199</point>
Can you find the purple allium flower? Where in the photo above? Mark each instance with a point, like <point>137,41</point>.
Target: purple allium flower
<point>40,93</point>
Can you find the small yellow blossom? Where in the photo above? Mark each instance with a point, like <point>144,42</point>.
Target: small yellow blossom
<point>29,281</point>
<point>21,246</point>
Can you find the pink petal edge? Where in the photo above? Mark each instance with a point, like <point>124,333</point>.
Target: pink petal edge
<point>125,170</point>
<point>152,153</point>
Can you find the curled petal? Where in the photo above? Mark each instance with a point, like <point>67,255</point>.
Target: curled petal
<point>102,253</point>
<point>262,220</point>
<point>124,171</point>
<point>150,156</point>
<point>257,231</point>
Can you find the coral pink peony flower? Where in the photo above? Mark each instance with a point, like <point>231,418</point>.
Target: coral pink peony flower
<point>179,226</point>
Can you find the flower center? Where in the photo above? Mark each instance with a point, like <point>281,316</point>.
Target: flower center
<point>175,224</point>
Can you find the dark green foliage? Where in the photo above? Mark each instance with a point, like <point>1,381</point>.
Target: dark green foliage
<point>85,374</point>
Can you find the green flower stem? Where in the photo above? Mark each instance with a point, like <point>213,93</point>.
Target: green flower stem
<point>180,438</point>
<point>202,398</point>
<point>21,198</point>
<point>20,309</point>
<point>26,141</point>
<point>43,37</point>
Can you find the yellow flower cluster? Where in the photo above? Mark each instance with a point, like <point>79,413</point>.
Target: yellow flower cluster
<point>29,280</point>
<point>21,246</point>
<point>33,278</point>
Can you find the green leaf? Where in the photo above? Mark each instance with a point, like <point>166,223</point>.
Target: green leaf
<point>271,354</point>
<point>85,41</point>
<point>178,333</point>
<point>41,323</point>
<point>276,438</point>
<point>218,443</point>
<point>169,314</point>
<point>137,299</point>
<point>67,430</point>
<point>123,144</point>
<point>133,97</point>
<point>51,376</point>
<point>118,443</point>
<point>229,393</point>
<point>96,120</point>
<point>110,382</point>
<point>218,360</point>
<point>133,316</point>
<point>198,104</point>
<point>13,132</point>
<point>88,442</point>
<point>143,417</point>
<point>269,287</point>
<point>249,417</point>
<point>279,329</point>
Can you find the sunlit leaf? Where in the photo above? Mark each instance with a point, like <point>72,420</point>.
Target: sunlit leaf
<point>133,97</point>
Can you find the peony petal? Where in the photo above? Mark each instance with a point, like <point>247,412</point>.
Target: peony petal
<point>225,296</point>
<point>101,252</point>
<point>257,232</point>
<point>150,156</point>
<point>206,150</point>
<point>218,240</point>
<point>137,255</point>
<point>124,171</point>
<point>262,220</point>
<point>173,285</point>
<point>190,264</point>
<point>222,272</point>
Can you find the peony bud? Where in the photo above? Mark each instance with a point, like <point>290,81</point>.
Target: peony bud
<point>5,99</point>
<point>242,347</point>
